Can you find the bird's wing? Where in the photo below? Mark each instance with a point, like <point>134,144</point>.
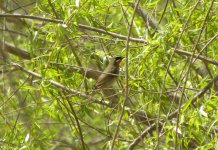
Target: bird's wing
<point>104,81</point>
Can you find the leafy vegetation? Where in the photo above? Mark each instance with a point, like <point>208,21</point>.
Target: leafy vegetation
<point>52,52</point>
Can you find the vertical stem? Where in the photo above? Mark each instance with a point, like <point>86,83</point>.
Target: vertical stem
<point>127,77</point>
<point>168,66</point>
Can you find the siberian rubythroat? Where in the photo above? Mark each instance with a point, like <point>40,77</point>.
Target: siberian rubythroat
<point>110,74</point>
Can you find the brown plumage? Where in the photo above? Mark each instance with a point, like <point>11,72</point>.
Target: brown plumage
<point>107,78</point>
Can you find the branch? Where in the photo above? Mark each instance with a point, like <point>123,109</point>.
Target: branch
<point>126,75</point>
<point>187,74</point>
<point>203,58</point>
<point>61,86</point>
<point>89,73</point>
<point>141,136</point>
<point>78,61</point>
<point>17,51</point>
<point>77,122</point>
<point>147,18</point>
<point>112,34</point>
<point>205,89</point>
<point>173,114</point>
<point>168,66</point>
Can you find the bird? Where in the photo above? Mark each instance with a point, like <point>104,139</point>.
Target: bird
<point>109,75</point>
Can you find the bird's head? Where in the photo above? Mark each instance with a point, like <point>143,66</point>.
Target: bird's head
<point>117,60</point>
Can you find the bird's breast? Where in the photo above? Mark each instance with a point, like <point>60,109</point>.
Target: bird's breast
<point>115,70</point>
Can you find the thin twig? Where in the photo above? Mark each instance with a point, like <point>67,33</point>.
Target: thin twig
<point>173,114</point>
<point>205,89</point>
<point>77,122</point>
<point>78,62</point>
<point>141,136</point>
<point>72,49</point>
<point>187,73</point>
<point>127,77</point>
<point>162,15</point>
<point>168,66</point>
